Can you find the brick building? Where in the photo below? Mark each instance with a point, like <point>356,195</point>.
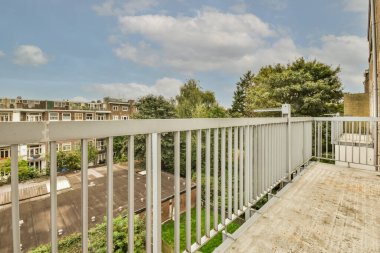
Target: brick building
<point>19,109</point>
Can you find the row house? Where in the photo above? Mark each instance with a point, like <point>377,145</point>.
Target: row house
<point>19,109</point>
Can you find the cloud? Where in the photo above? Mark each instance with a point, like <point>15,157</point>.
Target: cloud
<point>350,52</point>
<point>277,5</point>
<point>211,40</point>
<point>2,54</point>
<point>167,87</point>
<point>116,8</point>
<point>29,55</point>
<point>356,6</point>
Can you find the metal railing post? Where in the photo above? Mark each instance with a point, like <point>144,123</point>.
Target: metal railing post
<point>156,176</point>
<point>15,200</point>
<point>286,112</point>
<point>53,197</point>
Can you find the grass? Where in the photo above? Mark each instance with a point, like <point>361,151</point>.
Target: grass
<point>168,231</point>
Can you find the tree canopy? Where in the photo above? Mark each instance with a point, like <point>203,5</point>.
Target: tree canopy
<point>239,104</point>
<point>193,102</point>
<point>311,87</point>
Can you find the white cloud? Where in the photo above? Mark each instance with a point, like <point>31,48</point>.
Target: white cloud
<point>2,54</point>
<point>29,55</point>
<point>275,4</point>
<point>211,40</point>
<point>356,6</point>
<point>349,52</point>
<point>167,87</point>
<point>115,7</point>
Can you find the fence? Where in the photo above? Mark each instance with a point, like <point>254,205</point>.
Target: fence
<point>345,140</point>
<point>245,159</point>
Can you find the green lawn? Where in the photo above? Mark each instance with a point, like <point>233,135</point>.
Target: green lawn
<point>168,231</point>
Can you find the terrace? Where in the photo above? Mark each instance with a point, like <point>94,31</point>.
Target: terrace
<point>319,207</point>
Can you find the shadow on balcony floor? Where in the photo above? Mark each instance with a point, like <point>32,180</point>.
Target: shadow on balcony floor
<point>326,209</point>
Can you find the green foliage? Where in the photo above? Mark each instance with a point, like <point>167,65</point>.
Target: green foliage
<point>168,231</point>
<point>155,107</point>
<point>150,107</point>
<point>311,87</point>
<point>71,160</point>
<point>97,238</point>
<point>239,104</point>
<point>25,172</point>
<point>193,102</point>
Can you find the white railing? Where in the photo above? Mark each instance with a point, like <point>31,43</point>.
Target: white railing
<point>349,141</point>
<point>249,156</point>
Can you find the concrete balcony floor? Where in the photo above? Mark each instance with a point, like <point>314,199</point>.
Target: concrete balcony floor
<point>326,209</point>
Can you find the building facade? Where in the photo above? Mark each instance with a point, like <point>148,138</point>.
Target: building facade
<point>19,109</point>
<point>373,70</point>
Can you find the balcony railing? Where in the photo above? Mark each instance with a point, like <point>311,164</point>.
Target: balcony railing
<point>245,158</point>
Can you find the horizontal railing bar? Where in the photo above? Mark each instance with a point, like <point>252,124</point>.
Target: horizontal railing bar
<point>36,132</point>
<point>344,119</point>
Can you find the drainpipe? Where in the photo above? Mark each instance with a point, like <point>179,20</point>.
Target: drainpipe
<point>375,87</point>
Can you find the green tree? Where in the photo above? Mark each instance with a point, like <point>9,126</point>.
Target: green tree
<point>151,107</point>
<point>239,104</point>
<point>25,172</point>
<point>71,160</point>
<point>193,102</point>
<point>311,87</point>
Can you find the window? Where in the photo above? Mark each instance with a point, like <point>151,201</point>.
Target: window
<point>115,117</point>
<point>76,145</point>
<point>100,145</point>
<point>89,116</point>
<point>32,117</point>
<point>66,147</point>
<point>124,117</point>
<point>115,108</point>
<point>101,158</point>
<point>4,117</point>
<point>58,104</point>
<point>78,116</point>
<point>53,116</point>
<point>34,151</point>
<point>66,116</point>
<point>5,153</point>
<point>125,108</point>
<point>100,117</point>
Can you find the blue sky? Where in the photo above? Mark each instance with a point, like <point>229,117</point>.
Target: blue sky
<point>85,50</point>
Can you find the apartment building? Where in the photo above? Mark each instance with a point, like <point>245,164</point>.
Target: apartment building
<point>374,65</point>
<point>19,109</point>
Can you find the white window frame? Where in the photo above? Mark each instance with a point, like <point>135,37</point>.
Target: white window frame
<point>5,153</point>
<point>125,117</point>
<point>66,116</point>
<point>100,145</point>
<point>76,116</point>
<point>88,118</point>
<point>101,117</point>
<point>115,117</point>
<point>34,150</point>
<point>115,108</point>
<point>58,104</point>
<point>66,147</point>
<point>34,117</point>
<point>5,117</point>
<point>53,118</point>
<point>125,108</point>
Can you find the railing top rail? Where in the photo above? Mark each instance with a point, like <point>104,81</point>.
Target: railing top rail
<point>35,132</point>
<point>371,119</point>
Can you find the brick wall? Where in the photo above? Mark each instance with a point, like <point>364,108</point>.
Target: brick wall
<point>356,105</point>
